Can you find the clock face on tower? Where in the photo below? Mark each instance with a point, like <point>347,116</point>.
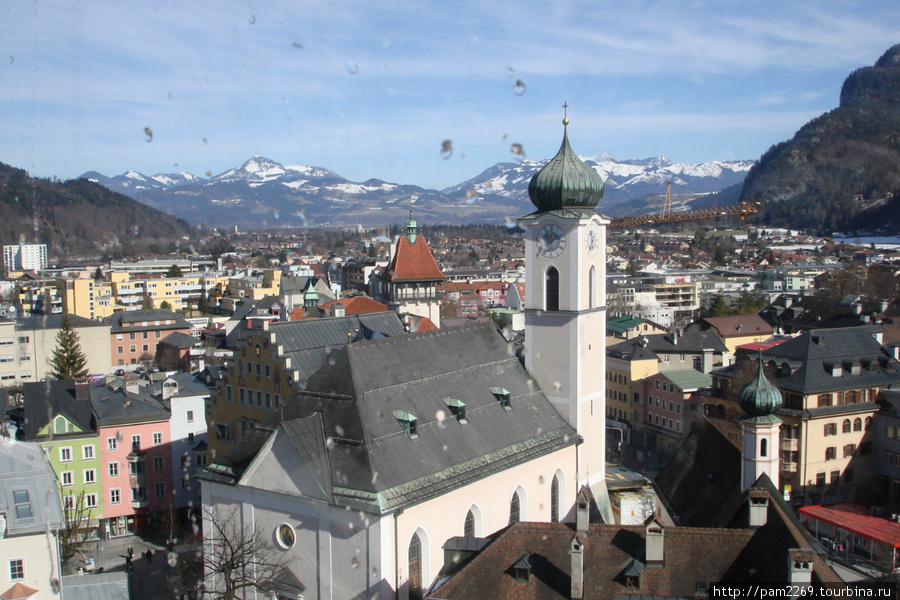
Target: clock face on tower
<point>551,241</point>
<point>592,240</point>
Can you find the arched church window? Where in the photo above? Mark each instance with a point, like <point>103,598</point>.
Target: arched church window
<point>469,528</point>
<point>551,289</point>
<point>554,500</point>
<point>514,509</point>
<point>415,568</point>
<point>592,287</point>
<point>763,448</point>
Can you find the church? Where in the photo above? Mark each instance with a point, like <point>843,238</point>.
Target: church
<point>397,445</point>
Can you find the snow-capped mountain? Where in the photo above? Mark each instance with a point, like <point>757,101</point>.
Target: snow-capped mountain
<point>263,193</point>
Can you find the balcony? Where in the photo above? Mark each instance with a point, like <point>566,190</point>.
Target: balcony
<point>790,444</point>
<point>789,467</point>
<point>140,502</point>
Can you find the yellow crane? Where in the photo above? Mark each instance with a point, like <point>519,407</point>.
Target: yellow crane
<point>667,216</point>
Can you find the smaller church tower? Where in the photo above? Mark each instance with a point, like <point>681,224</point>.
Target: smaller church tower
<point>760,430</point>
<point>412,282</point>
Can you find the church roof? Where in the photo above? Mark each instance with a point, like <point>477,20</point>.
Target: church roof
<point>759,398</point>
<point>412,261</point>
<point>367,394</point>
<point>565,182</point>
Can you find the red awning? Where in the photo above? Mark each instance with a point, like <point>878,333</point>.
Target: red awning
<point>856,519</point>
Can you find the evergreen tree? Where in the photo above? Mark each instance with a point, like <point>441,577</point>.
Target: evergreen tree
<point>174,271</point>
<point>69,361</point>
<point>719,308</point>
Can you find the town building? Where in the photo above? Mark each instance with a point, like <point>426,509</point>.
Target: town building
<point>665,405</point>
<point>736,330</point>
<point>30,519</point>
<point>134,335</point>
<point>25,257</point>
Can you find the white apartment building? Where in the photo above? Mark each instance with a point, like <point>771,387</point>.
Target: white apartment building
<point>25,257</point>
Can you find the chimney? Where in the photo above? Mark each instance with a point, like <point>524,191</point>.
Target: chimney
<point>884,306</point>
<point>800,566</point>
<point>132,385</point>
<point>788,301</point>
<point>707,366</point>
<point>583,510</point>
<point>758,501</point>
<point>576,549</point>
<point>337,310</point>
<point>82,388</point>
<point>169,389</point>
<point>655,538</point>
<point>857,308</point>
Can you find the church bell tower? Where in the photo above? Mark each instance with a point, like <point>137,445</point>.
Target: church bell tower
<point>565,306</point>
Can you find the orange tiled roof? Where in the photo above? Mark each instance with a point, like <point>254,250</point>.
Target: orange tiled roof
<point>355,305</point>
<point>413,262</point>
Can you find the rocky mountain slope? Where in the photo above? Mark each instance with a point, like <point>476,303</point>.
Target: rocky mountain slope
<point>841,171</point>
<point>81,218</point>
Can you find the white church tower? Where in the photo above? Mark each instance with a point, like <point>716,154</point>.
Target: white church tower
<point>760,430</point>
<point>565,318</point>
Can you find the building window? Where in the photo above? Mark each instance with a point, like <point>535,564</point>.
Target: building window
<point>159,463</point>
<point>830,453</point>
<point>414,557</point>
<point>845,426</point>
<point>514,509</point>
<point>157,438</point>
<point>90,476</point>
<point>848,475</point>
<point>190,437</point>
<point>66,478</point>
<point>115,497</point>
<point>763,447</point>
<point>69,503</point>
<point>65,454</point>
<point>201,459</point>
<point>160,489</point>
<point>469,525</point>
<point>90,500</point>
<point>120,349</point>
<point>228,393</point>
<point>22,500</point>
<point>849,450</point>
<point>136,442</point>
<point>87,452</point>
<point>113,469</point>
<point>835,477</point>
<point>554,500</point>
<point>857,424</point>
<point>17,569</point>
<point>830,429</point>
<point>551,289</point>
<point>185,484</point>
<point>820,479</point>
<point>240,395</point>
<point>190,416</point>
<point>112,443</point>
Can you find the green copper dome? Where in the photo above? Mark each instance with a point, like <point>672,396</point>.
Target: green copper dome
<point>759,398</point>
<point>565,182</point>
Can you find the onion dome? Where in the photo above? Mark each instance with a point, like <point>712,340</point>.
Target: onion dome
<point>760,397</point>
<point>565,182</point>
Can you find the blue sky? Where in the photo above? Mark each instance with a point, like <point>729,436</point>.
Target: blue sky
<point>373,89</point>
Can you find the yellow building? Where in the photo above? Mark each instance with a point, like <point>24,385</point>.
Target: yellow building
<point>86,297</point>
<point>626,364</point>
<point>256,287</point>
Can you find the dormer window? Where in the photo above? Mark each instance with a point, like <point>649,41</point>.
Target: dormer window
<point>22,500</point>
<point>458,408</point>
<point>503,395</point>
<point>408,422</point>
<point>522,567</point>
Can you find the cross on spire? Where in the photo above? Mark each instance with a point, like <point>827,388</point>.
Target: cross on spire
<point>565,113</point>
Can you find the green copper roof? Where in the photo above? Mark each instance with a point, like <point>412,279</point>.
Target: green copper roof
<point>565,182</point>
<point>760,397</point>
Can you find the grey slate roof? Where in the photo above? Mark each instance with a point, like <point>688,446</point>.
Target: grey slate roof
<point>46,399</point>
<point>39,322</point>
<point>690,342</point>
<point>135,318</point>
<point>372,462</point>
<point>26,468</point>
<point>113,405</point>
<point>804,363</point>
<point>307,342</point>
<point>179,340</point>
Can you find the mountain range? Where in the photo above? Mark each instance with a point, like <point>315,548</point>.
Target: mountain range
<point>262,193</point>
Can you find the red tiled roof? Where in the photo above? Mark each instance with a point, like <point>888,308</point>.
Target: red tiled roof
<point>740,325</point>
<point>355,305</point>
<point>19,591</point>
<point>413,262</point>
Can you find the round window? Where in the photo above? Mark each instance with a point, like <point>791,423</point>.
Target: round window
<point>285,536</point>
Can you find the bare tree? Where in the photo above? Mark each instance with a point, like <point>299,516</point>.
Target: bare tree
<point>74,533</point>
<point>237,557</point>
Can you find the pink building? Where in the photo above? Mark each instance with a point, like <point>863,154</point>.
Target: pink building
<point>135,454</point>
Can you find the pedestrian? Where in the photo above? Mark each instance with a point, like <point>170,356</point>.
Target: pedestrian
<point>149,556</point>
<point>130,552</point>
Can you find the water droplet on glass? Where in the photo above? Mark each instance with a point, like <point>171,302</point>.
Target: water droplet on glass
<point>205,142</point>
<point>339,430</point>
<point>471,193</point>
<point>440,415</point>
<point>352,67</point>
<point>252,19</point>
<point>172,559</point>
<point>519,87</point>
<point>329,443</point>
<point>446,149</point>
<point>374,476</point>
<point>517,150</point>
<point>541,479</point>
<point>17,198</point>
<point>297,46</point>
<point>557,385</point>
<point>149,133</point>
<point>512,71</point>
<point>566,437</point>
<point>540,430</point>
<point>444,447</point>
<point>354,563</point>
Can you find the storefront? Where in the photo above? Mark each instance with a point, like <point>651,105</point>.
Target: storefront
<point>847,528</point>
